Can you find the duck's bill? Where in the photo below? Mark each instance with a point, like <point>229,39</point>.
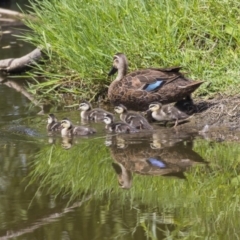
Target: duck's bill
<point>113,71</point>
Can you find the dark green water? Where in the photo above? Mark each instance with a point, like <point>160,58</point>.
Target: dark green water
<point>10,46</point>
<point>159,185</point>
<point>14,4</point>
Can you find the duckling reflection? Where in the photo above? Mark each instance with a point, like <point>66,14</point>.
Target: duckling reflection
<point>67,142</point>
<point>51,140</point>
<point>139,157</point>
<point>165,139</point>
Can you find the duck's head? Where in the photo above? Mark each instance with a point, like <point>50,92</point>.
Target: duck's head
<point>124,176</point>
<point>65,123</point>
<point>84,106</point>
<point>120,64</point>
<point>155,106</point>
<point>51,118</point>
<point>108,119</point>
<point>120,109</point>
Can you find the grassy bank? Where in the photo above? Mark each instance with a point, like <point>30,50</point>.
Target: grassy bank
<point>202,36</point>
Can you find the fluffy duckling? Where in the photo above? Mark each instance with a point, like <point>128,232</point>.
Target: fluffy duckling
<point>119,127</point>
<point>52,124</point>
<point>166,113</point>
<point>68,130</point>
<point>136,120</point>
<point>89,113</point>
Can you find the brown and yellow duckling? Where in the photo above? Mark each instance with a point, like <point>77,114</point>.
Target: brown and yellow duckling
<point>90,113</point>
<point>135,119</point>
<point>136,90</point>
<point>118,127</point>
<point>68,130</point>
<point>166,113</point>
<point>52,124</point>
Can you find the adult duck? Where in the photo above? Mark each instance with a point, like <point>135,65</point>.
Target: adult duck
<point>136,90</point>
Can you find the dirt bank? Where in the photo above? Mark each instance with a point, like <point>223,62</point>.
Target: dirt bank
<point>217,119</point>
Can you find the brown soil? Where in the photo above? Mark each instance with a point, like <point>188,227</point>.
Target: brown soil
<point>217,119</point>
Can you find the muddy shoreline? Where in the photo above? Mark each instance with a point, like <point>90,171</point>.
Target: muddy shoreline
<point>215,119</point>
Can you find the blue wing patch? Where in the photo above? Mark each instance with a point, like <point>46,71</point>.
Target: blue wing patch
<point>153,86</point>
<point>156,162</point>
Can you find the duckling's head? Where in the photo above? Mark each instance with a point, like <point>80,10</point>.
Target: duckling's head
<point>155,106</point>
<point>51,118</point>
<point>108,119</point>
<point>120,63</point>
<point>65,123</point>
<point>84,106</point>
<point>120,109</point>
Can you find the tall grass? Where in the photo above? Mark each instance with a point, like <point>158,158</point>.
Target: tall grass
<point>203,36</point>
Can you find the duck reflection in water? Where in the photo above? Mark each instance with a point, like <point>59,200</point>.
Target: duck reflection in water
<point>124,176</point>
<point>137,156</point>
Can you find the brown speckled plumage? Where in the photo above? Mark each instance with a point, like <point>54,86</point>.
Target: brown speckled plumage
<point>129,89</point>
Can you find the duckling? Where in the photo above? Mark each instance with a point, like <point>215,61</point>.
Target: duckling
<point>166,113</point>
<point>89,113</point>
<point>119,127</point>
<point>68,130</point>
<point>52,124</point>
<point>135,119</point>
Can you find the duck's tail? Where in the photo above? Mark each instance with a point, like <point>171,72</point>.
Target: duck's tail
<point>192,86</point>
